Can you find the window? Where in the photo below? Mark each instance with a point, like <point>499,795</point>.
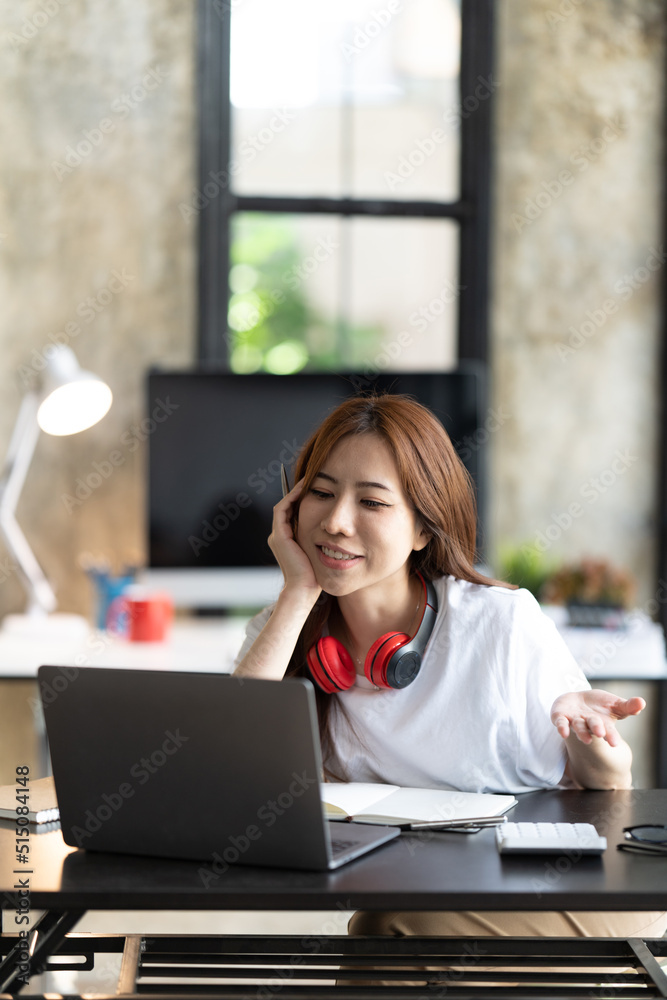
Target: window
<point>343,196</point>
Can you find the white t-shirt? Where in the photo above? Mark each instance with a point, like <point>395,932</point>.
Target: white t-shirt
<point>477,717</point>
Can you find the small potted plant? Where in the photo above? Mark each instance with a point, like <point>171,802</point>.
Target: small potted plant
<point>595,593</point>
<point>526,566</point>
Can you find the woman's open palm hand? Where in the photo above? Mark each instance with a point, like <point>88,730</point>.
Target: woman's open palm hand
<point>593,713</point>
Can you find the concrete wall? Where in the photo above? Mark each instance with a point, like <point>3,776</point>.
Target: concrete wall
<point>97,118</point>
<point>577,277</point>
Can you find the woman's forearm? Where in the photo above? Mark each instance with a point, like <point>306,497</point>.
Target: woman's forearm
<point>269,655</point>
<point>598,765</point>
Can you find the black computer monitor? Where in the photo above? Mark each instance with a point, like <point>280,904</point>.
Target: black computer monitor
<point>215,445</point>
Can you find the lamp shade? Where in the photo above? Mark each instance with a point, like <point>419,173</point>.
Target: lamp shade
<point>71,399</point>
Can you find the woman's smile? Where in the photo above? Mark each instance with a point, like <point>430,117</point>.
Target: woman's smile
<point>336,558</point>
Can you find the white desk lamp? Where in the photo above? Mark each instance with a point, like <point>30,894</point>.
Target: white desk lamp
<point>67,400</point>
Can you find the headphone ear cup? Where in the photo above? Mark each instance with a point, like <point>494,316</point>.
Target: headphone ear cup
<point>331,666</point>
<point>380,653</point>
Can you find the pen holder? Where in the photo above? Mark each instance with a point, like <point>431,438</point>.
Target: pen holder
<point>107,589</point>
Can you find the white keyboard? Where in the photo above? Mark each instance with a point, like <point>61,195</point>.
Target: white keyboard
<point>549,838</point>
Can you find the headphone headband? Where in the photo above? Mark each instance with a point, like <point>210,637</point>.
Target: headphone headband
<point>393,661</point>
<point>402,666</point>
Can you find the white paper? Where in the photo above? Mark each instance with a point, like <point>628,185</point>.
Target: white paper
<point>386,803</point>
<point>352,797</point>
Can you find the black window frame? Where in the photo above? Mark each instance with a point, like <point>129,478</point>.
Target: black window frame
<point>472,210</point>
<point>661,516</point>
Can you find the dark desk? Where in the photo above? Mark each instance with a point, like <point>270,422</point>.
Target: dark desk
<point>429,871</point>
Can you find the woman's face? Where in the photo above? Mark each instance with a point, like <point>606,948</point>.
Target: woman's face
<point>356,524</point>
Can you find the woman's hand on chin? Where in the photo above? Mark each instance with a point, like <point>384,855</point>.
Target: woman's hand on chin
<point>296,567</point>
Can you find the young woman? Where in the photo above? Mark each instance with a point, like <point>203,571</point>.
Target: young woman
<point>383,506</point>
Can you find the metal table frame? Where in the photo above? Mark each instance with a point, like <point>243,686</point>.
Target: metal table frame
<point>292,965</point>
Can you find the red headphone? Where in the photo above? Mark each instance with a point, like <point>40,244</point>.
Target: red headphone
<point>393,661</point>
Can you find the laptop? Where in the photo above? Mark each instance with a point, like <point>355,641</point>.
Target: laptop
<point>193,765</point>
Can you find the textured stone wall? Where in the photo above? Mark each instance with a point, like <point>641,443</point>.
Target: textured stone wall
<point>98,123</point>
<point>577,278</point>
<point>575,306</point>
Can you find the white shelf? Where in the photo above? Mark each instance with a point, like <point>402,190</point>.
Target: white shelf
<point>207,644</point>
<point>634,653</point>
<point>211,644</point>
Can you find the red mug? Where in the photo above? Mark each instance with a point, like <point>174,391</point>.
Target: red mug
<point>141,615</point>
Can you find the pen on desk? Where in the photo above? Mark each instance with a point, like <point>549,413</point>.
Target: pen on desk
<point>451,824</point>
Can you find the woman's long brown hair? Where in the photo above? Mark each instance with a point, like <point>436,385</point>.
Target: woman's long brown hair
<point>436,483</point>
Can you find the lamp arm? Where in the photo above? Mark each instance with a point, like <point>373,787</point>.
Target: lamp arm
<point>19,455</point>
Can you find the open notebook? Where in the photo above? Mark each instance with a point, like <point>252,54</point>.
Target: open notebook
<point>392,805</point>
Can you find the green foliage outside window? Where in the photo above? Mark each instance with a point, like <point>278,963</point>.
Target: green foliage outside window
<point>274,325</point>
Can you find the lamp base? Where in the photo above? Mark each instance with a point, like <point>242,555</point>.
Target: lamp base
<point>41,626</point>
